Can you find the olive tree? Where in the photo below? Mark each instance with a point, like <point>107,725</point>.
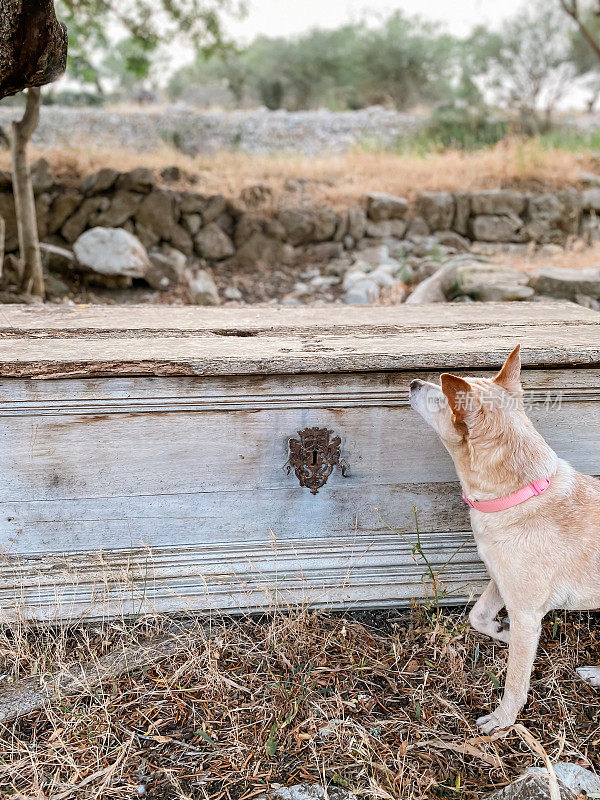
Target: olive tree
<point>530,67</point>
<point>33,52</point>
<point>140,27</point>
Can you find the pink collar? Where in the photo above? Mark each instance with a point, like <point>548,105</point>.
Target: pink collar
<point>511,500</point>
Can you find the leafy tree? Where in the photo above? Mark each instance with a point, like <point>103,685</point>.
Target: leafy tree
<point>403,59</point>
<point>321,66</point>
<point>144,25</point>
<point>530,67</point>
<point>473,56</point>
<point>583,17</point>
<point>407,59</point>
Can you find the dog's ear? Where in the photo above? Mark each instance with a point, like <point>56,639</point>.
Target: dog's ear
<point>509,376</point>
<point>459,395</point>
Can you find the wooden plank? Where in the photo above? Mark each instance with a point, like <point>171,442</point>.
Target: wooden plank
<point>123,494</point>
<point>172,519</point>
<point>275,342</point>
<point>339,571</point>
<point>473,348</point>
<point>19,319</point>
<point>110,445</point>
<point>158,480</point>
<point>125,394</point>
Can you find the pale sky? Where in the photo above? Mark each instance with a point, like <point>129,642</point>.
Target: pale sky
<point>285,17</point>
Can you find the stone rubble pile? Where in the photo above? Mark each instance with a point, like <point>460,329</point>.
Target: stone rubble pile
<point>119,230</point>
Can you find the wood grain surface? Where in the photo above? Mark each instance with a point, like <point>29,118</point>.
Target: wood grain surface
<point>125,494</point>
<point>89,341</point>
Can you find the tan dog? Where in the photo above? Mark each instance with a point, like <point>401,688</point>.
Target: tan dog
<point>542,549</point>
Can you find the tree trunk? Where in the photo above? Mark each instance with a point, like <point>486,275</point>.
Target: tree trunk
<point>2,241</point>
<point>33,45</point>
<point>29,245</point>
<point>591,102</point>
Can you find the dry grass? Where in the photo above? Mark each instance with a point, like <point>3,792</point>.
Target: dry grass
<point>567,258</point>
<point>340,180</point>
<point>382,703</point>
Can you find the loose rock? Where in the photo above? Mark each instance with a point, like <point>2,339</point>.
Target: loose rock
<point>212,243</point>
<point>567,283</point>
<point>489,283</point>
<point>164,272</point>
<point>112,251</point>
<point>203,289</point>
<point>307,791</point>
<point>381,206</point>
<point>530,787</point>
<point>57,258</point>
<point>140,179</point>
<point>438,286</point>
<point>362,293</point>
<point>437,209</point>
<point>572,776</point>
<point>497,228</point>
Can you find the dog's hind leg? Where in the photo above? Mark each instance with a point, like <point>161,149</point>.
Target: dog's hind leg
<point>590,675</point>
<point>483,614</point>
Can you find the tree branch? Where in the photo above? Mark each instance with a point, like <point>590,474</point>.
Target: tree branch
<point>29,121</point>
<point>572,9</point>
<point>32,694</point>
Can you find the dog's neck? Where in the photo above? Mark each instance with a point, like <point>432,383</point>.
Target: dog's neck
<point>491,470</point>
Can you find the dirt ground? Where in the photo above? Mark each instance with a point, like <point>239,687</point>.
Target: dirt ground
<point>383,703</point>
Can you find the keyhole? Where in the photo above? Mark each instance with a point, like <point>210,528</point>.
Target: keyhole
<point>314,458</point>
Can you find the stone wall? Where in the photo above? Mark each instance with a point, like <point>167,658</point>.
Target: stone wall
<point>195,131</point>
<point>214,231</point>
<point>216,228</point>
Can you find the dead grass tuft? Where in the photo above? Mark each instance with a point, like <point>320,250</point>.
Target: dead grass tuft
<point>342,179</point>
<point>566,258</point>
<point>383,703</point>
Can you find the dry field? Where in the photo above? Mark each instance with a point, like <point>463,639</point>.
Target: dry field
<point>382,703</point>
<point>341,180</point>
<point>570,258</point>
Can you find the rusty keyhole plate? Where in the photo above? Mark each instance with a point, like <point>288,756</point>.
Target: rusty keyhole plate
<point>313,457</point>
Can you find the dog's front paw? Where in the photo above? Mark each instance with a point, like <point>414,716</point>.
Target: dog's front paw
<point>494,722</point>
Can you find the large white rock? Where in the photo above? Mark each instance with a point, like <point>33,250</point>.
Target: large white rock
<point>572,776</point>
<point>112,251</point>
<point>306,791</point>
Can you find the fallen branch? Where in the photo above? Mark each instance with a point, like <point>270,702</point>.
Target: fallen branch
<point>32,694</point>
